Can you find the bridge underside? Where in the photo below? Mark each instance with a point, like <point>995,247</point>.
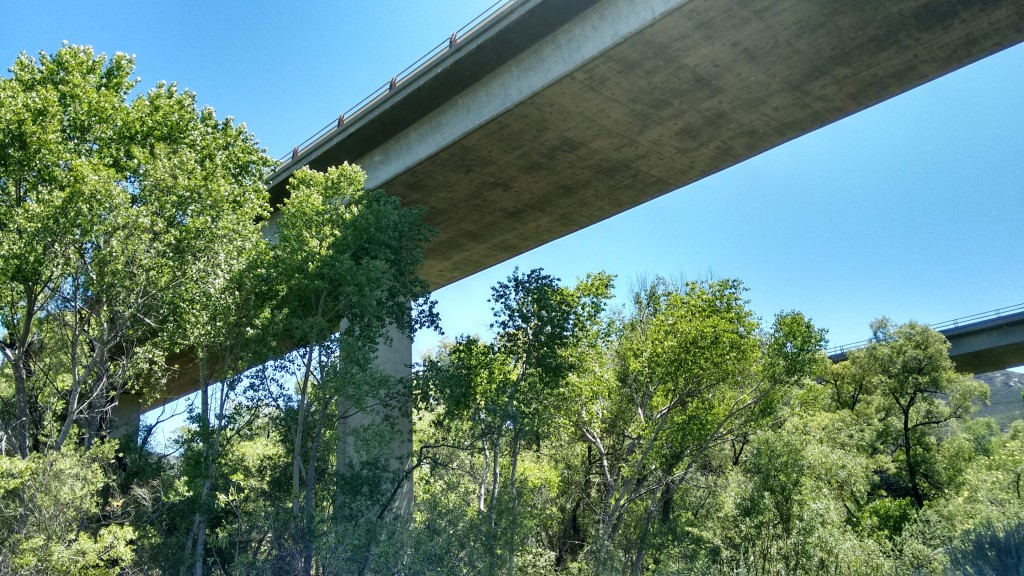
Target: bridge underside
<point>983,346</point>
<point>988,346</point>
<point>560,113</point>
<point>694,89</point>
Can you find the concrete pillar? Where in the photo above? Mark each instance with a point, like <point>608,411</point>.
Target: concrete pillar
<point>125,417</point>
<point>395,359</point>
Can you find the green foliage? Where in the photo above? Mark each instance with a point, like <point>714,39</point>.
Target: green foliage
<point>126,227</point>
<point>53,519</point>
<point>695,442</point>
<point>345,254</point>
<point>639,404</point>
<point>691,371</point>
<point>345,259</point>
<point>132,253</point>
<point>511,396</point>
<point>888,516</point>
<point>912,390</point>
<point>680,435</point>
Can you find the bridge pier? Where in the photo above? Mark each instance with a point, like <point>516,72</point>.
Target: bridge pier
<point>125,417</point>
<point>394,359</point>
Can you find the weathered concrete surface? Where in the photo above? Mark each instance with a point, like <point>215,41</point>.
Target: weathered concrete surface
<point>561,113</point>
<point>125,416</point>
<point>983,346</point>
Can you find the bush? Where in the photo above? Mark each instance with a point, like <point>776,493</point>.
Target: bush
<point>52,519</point>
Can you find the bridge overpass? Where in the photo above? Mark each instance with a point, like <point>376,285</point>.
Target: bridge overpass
<point>550,115</point>
<point>546,116</point>
<point>981,343</point>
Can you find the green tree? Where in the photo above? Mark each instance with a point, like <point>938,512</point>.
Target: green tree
<point>799,493</point>
<point>1010,458</point>
<point>128,229</point>
<point>691,371</point>
<point>345,261</point>
<point>121,221</point>
<point>916,392</point>
<point>512,392</point>
<point>52,511</point>
<point>610,438</point>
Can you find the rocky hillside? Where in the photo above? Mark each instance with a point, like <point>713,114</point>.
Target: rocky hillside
<point>1006,404</point>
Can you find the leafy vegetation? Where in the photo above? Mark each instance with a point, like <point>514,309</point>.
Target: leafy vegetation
<point>679,434</point>
<point>698,441</point>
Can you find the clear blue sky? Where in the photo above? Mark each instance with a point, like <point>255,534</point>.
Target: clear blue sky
<point>911,209</point>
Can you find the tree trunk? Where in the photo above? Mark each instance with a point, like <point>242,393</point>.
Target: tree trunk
<point>98,404</point>
<point>69,418</point>
<point>199,525</point>
<point>211,454</point>
<point>482,493</point>
<point>513,502</point>
<point>21,403</point>
<point>570,541</point>
<point>641,546</point>
<point>308,517</point>
<point>17,353</point>
<point>299,431</point>
<point>492,529</point>
<point>915,488</point>
<point>341,459</point>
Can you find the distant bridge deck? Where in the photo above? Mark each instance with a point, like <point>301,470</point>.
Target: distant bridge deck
<point>980,343</point>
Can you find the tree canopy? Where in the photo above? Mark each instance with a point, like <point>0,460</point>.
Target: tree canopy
<point>125,223</point>
<point>677,433</point>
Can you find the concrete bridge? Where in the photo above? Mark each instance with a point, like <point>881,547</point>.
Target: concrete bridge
<point>981,343</point>
<point>550,115</point>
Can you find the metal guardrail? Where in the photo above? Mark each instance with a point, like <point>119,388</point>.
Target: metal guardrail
<point>382,92</point>
<point>944,325</point>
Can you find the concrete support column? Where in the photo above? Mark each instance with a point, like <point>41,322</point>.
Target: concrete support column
<point>125,417</point>
<point>395,359</point>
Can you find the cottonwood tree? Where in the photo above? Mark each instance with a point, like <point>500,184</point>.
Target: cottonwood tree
<point>915,391</point>
<point>689,438</point>
<point>119,217</point>
<point>126,226</point>
<point>800,495</point>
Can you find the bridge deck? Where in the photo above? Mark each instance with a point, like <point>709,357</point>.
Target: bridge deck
<point>557,114</point>
<point>983,346</point>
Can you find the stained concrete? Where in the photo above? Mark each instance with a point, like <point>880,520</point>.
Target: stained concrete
<point>988,345</point>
